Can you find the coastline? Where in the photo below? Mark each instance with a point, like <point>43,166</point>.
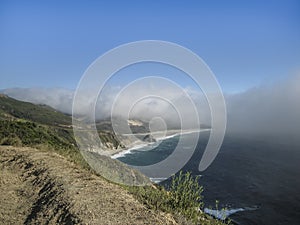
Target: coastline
<point>118,153</point>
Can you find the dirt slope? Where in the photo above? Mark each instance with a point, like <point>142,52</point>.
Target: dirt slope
<point>44,188</point>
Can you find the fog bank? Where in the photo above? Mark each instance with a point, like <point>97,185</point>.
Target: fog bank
<point>269,110</point>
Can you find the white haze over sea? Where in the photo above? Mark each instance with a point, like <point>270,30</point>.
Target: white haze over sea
<point>270,109</point>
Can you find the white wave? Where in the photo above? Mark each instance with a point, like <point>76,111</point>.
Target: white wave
<point>225,213</point>
<point>145,146</point>
<point>195,131</point>
<point>181,133</point>
<point>166,137</point>
<point>150,146</point>
<point>121,154</point>
<point>157,179</point>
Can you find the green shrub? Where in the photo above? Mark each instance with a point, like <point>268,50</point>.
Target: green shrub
<point>183,199</point>
<point>186,195</point>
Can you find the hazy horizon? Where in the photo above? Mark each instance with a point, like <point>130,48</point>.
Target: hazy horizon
<point>270,109</point>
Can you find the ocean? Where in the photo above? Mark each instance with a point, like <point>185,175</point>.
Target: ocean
<point>257,180</point>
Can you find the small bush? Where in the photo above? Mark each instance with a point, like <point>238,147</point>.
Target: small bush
<point>186,195</point>
<point>183,199</point>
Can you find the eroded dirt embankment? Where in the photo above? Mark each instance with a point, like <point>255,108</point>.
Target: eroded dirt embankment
<point>44,188</point>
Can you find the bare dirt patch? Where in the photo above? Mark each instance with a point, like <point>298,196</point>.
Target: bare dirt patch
<point>44,188</point>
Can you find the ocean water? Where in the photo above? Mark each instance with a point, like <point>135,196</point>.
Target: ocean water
<point>256,180</point>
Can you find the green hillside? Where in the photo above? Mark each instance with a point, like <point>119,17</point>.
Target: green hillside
<point>12,108</point>
<point>27,124</point>
<point>39,126</point>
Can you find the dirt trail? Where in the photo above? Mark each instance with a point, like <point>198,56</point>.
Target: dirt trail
<point>44,188</point>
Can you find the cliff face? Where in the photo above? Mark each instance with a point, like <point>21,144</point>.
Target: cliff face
<point>110,141</point>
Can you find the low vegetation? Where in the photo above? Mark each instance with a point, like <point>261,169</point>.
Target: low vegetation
<point>26,133</point>
<point>183,199</point>
<point>38,113</point>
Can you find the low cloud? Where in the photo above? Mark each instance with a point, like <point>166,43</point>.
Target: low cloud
<point>58,98</point>
<point>271,110</point>
<point>166,102</point>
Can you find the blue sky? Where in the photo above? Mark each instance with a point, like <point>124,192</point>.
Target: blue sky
<point>51,43</point>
